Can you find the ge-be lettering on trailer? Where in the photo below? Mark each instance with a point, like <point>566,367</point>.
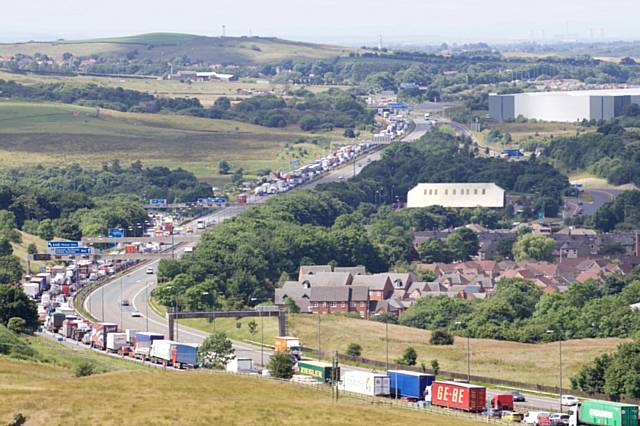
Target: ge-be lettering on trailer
<point>461,396</point>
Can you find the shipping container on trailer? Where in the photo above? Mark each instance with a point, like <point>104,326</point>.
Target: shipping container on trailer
<point>289,343</point>
<point>143,341</point>
<point>321,371</point>
<point>240,365</point>
<point>115,341</point>
<point>364,382</point>
<point>131,334</point>
<point>409,384</point>
<point>461,396</point>
<point>604,413</point>
<point>99,334</point>
<point>162,350</point>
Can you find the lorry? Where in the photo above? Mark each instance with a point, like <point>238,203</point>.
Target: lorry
<point>460,396</point>
<point>162,351</point>
<point>502,402</point>
<point>289,343</point>
<point>366,383</point>
<point>240,365</point>
<point>131,335</point>
<point>183,354</point>
<point>409,384</point>
<point>603,413</point>
<point>321,371</point>
<point>99,334</point>
<point>143,341</point>
<point>116,341</point>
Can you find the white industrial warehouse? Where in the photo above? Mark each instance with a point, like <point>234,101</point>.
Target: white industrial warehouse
<point>567,106</point>
<point>476,194</point>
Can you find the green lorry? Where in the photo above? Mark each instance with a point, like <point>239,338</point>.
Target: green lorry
<point>321,371</point>
<point>604,413</point>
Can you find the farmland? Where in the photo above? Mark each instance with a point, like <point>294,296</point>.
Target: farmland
<point>170,397</point>
<point>155,47</point>
<point>54,134</point>
<point>529,363</point>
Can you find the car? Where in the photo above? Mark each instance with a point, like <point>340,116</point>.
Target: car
<point>136,314</point>
<point>511,417</point>
<point>124,302</point>
<point>536,417</point>
<point>518,396</point>
<point>568,400</point>
<point>149,270</point>
<point>559,419</point>
<point>490,412</point>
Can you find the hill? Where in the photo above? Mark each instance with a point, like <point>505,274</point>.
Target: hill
<point>34,133</point>
<point>21,249</point>
<point>158,47</point>
<point>144,395</point>
<point>522,362</point>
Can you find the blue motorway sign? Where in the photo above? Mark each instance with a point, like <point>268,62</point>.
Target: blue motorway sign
<point>158,201</point>
<point>66,251</point>
<point>115,233</point>
<point>63,244</point>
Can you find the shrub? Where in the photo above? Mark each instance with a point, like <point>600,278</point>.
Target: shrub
<point>17,325</point>
<point>84,368</point>
<point>441,337</point>
<point>281,365</point>
<point>354,349</point>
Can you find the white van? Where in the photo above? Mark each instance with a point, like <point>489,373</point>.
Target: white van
<point>533,417</point>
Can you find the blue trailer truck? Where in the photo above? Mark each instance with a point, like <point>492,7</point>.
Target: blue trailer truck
<point>409,384</point>
<point>184,355</point>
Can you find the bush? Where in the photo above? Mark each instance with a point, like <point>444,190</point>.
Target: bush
<point>354,349</point>
<point>441,337</point>
<point>16,325</point>
<point>281,365</point>
<point>435,366</point>
<point>409,357</point>
<point>84,368</point>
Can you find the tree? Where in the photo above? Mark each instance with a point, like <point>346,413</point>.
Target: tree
<point>8,226</point>
<point>5,247</point>
<point>15,303</point>
<point>590,378</point>
<point>281,365</point>
<point>216,351</point>
<point>463,244</point>
<point>533,246</point>
<point>46,230</point>
<point>237,176</point>
<point>441,337</point>
<point>224,167</point>
<point>32,248</point>
<point>291,305</point>
<point>434,250</point>
<point>222,103</point>
<point>17,325</point>
<point>409,356</point>
<point>354,349</point>
<point>253,327</point>
<point>10,270</point>
<point>435,366</point>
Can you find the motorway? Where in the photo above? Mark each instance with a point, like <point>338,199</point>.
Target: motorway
<point>104,303</point>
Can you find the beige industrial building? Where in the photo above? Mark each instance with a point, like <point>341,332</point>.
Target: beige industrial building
<point>476,194</point>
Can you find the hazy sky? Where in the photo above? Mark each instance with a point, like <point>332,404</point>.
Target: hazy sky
<point>347,21</point>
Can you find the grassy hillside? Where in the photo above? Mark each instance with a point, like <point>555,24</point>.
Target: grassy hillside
<point>504,360</point>
<point>20,249</point>
<point>162,46</point>
<point>47,133</point>
<point>146,395</point>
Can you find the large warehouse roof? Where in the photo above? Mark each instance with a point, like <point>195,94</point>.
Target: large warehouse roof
<point>634,91</point>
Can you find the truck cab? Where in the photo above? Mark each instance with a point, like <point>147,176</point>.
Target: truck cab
<point>502,402</point>
<point>289,343</point>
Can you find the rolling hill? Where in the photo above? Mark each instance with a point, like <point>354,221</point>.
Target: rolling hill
<point>160,47</point>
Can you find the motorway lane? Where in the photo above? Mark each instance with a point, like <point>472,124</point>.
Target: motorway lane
<point>599,197</point>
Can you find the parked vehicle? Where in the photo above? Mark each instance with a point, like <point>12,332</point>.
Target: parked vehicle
<point>518,396</point>
<point>409,384</point>
<point>115,341</point>
<point>559,419</point>
<point>568,400</point>
<point>366,383</point>
<point>321,371</point>
<point>288,343</point>
<point>461,396</point>
<point>184,355</point>
<point>240,365</point>
<point>511,417</point>
<point>537,418</point>
<point>162,351</point>
<point>603,413</point>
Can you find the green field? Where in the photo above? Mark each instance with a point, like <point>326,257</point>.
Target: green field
<point>20,249</point>
<point>160,47</point>
<point>529,363</point>
<point>49,393</point>
<point>54,134</point>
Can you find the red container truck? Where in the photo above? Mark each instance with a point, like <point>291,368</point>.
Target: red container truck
<point>461,396</point>
<point>99,335</point>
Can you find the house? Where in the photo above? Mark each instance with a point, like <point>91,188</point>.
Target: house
<point>313,269</point>
<point>379,286</point>
<point>326,279</point>
<point>328,300</point>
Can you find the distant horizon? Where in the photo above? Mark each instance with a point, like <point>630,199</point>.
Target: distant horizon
<point>350,22</point>
<point>44,38</point>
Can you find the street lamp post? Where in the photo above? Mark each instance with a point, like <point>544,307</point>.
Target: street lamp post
<point>102,297</point>
<point>121,324</point>
<point>462,324</point>
<point>551,331</point>
<point>146,298</point>
<point>386,340</point>
<point>259,309</point>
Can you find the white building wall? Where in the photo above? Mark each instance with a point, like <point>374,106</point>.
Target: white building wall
<point>552,106</point>
<point>456,195</point>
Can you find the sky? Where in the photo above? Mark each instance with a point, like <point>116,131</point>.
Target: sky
<point>352,22</point>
